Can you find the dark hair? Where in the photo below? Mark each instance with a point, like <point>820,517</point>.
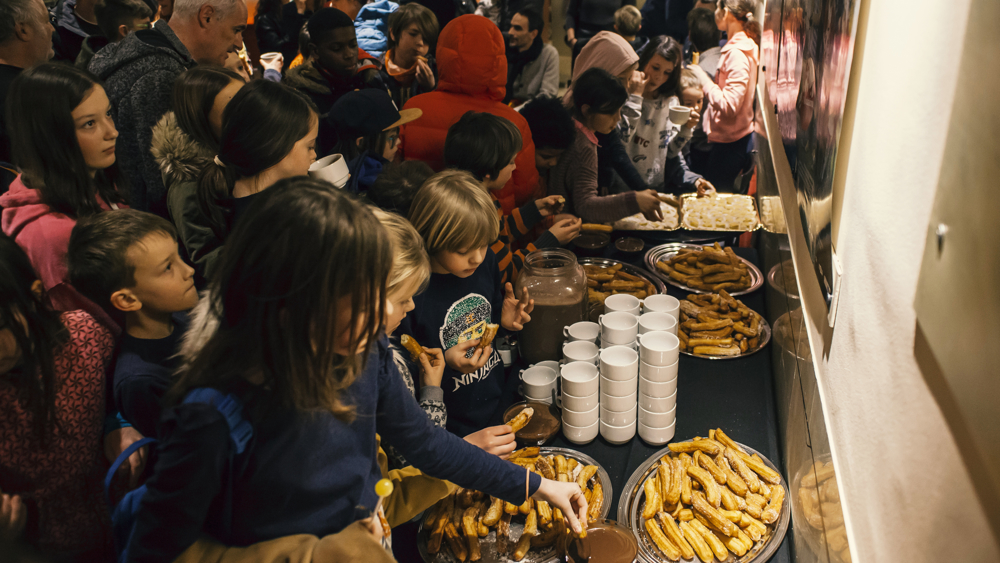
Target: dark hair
<point>278,302</point>
<point>271,8</point>
<point>668,48</point>
<point>482,144</point>
<point>412,13</point>
<point>394,189</point>
<point>113,13</point>
<point>600,90</point>
<point>39,334</point>
<point>534,17</point>
<point>305,44</point>
<point>350,148</point>
<point>194,96</point>
<point>97,256</point>
<point>40,104</point>
<point>260,126</point>
<point>550,122</point>
<point>324,21</point>
<point>746,12</point>
<point>702,30</point>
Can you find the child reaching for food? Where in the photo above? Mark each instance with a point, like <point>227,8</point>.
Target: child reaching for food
<point>465,298</point>
<point>598,98</point>
<point>298,352</point>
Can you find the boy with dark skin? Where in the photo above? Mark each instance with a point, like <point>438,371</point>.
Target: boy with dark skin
<point>337,65</point>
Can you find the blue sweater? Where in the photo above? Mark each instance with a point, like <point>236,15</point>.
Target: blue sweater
<point>453,310</point>
<point>143,374</point>
<point>302,473</point>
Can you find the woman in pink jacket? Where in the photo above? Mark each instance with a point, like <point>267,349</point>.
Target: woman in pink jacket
<point>64,144</point>
<point>729,99</point>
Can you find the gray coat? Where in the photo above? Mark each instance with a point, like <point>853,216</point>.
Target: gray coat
<point>540,77</point>
<point>139,73</point>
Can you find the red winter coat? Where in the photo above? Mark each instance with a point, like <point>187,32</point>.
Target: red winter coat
<point>472,76</point>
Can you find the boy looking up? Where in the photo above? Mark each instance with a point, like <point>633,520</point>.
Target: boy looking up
<point>128,259</point>
<point>486,145</point>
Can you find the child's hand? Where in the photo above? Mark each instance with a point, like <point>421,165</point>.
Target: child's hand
<point>693,121</point>
<point>704,187</point>
<point>567,497</point>
<point>456,360</point>
<point>637,82</point>
<point>274,64</point>
<point>496,440</point>
<point>116,442</point>
<point>425,76</point>
<point>432,367</point>
<point>649,204</point>
<point>515,311</point>
<point>14,513</point>
<point>550,205</point>
<point>566,230</point>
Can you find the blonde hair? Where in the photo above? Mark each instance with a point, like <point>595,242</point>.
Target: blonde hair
<point>453,213</point>
<point>689,80</point>
<point>628,20</point>
<point>409,259</point>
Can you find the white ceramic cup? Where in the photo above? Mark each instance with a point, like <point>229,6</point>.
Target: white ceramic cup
<point>581,351</point>
<point>657,436</point>
<point>580,435</point>
<point>679,115</point>
<point>619,327</point>
<point>618,434</point>
<point>581,419</point>
<point>619,404</point>
<point>659,348</point>
<point>618,388</point>
<point>584,330</point>
<point>580,404</point>
<point>658,374</point>
<point>619,363</point>
<point>657,390</point>
<point>622,302</point>
<point>657,322</point>
<point>656,419</point>
<point>331,168</point>
<point>551,364</point>
<point>539,382</point>
<point>580,379</point>
<point>616,418</point>
<point>652,404</point>
<point>660,303</point>
<point>632,345</point>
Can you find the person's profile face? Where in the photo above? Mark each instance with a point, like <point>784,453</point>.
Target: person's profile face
<point>337,52</point>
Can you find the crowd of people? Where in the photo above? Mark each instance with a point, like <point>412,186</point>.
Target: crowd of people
<point>182,302</point>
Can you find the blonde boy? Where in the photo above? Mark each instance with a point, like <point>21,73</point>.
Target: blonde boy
<point>458,221</point>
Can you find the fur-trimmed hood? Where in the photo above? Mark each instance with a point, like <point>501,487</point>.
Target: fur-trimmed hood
<point>202,324</point>
<point>180,158</point>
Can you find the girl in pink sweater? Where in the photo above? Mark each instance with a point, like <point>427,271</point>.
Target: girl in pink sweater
<point>729,98</point>
<point>64,144</point>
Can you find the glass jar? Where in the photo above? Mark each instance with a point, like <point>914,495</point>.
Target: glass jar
<point>558,284</point>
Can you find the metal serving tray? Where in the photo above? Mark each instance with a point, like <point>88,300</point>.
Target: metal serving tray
<point>669,250</point>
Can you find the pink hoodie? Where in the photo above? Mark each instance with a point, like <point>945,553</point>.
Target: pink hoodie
<point>729,101</point>
<point>44,236</point>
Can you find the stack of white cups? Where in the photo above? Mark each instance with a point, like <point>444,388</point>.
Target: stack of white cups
<point>619,375</point>
<point>579,401</point>
<point>659,351</point>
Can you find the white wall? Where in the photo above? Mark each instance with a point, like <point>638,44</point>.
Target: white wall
<point>907,494</point>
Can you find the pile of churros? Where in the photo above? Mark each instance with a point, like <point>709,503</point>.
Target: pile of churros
<point>464,517</point>
<point>709,497</point>
<point>717,324</point>
<point>819,498</point>
<point>712,268</point>
<point>605,281</point>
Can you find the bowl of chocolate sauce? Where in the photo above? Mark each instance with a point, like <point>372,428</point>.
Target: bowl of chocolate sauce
<point>609,542</point>
<point>544,424</point>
